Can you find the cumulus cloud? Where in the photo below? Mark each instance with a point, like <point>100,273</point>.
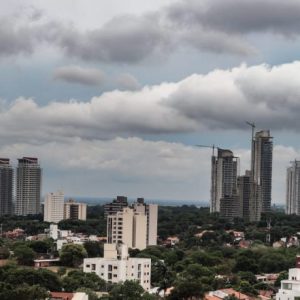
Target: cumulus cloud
<point>79,75</point>
<point>221,99</point>
<point>216,26</point>
<point>127,81</point>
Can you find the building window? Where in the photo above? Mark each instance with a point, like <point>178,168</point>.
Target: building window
<point>87,266</point>
<point>115,275</point>
<point>93,267</point>
<point>102,274</point>
<point>109,276</point>
<point>115,267</point>
<point>102,266</point>
<point>110,268</point>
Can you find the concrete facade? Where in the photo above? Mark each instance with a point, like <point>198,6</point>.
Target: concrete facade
<point>74,210</point>
<point>6,187</point>
<point>116,266</point>
<point>54,207</point>
<point>29,181</point>
<point>223,177</point>
<point>293,189</point>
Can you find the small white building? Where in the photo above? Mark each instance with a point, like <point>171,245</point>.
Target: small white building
<point>290,288</point>
<point>116,266</point>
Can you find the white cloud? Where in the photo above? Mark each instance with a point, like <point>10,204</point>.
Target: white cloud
<point>221,99</point>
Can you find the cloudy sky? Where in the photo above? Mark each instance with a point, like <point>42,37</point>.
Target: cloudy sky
<point>112,96</point>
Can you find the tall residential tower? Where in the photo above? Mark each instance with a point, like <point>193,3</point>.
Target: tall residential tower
<point>293,189</point>
<point>6,187</point>
<point>261,174</point>
<point>224,177</point>
<point>29,177</point>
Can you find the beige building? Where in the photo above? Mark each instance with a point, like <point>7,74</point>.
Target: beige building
<point>116,266</point>
<point>127,227</point>
<point>54,207</point>
<point>151,211</point>
<point>74,210</point>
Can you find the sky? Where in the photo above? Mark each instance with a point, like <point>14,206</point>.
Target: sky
<point>113,96</point>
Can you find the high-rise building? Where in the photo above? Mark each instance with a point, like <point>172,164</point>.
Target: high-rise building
<point>293,189</point>
<point>230,207</point>
<point>243,188</point>
<point>29,180</point>
<point>54,207</point>
<point>224,177</point>
<point>261,173</point>
<point>6,187</point>
<point>116,205</point>
<point>127,227</point>
<point>151,211</point>
<point>74,210</point>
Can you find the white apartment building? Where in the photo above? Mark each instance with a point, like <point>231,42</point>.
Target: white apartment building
<point>290,288</point>
<point>74,210</point>
<point>116,266</point>
<point>54,207</point>
<point>127,227</point>
<point>151,211</point>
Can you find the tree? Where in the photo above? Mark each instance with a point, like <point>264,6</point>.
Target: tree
<point>247,288</point>
<point>129,290</point>
<point>30,276</point>
<point>185,289</point>
<point>72,255</point>
<point>41,246</point>
<point>24,255</point>
<point>282,276</point>
<point>93,249</point>
<point>22,292</point>
<point>78,279</point>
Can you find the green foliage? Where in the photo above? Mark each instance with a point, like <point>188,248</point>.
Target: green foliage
<point>247,288</point>
<point>78,279</point>
<point>24,255</point>
<point>93,249</point>
<point>185,289</point>
<point>22,292</point>
<point>72,255</point>
<point>13,275</point>
<point>44,246</point>
<point>4,252</point>
<point>282,276</point>
<point>129,290</point>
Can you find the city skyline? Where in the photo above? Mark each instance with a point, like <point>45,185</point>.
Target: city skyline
<point>108,117</point>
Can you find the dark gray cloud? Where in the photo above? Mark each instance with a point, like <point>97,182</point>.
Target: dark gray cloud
<point>123,39</point>
<point>79,75</point>
<point>238,16</point>
<point>216,26</point>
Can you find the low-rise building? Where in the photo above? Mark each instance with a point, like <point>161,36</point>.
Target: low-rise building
<point>290,288</point>
<point>116,266</point>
